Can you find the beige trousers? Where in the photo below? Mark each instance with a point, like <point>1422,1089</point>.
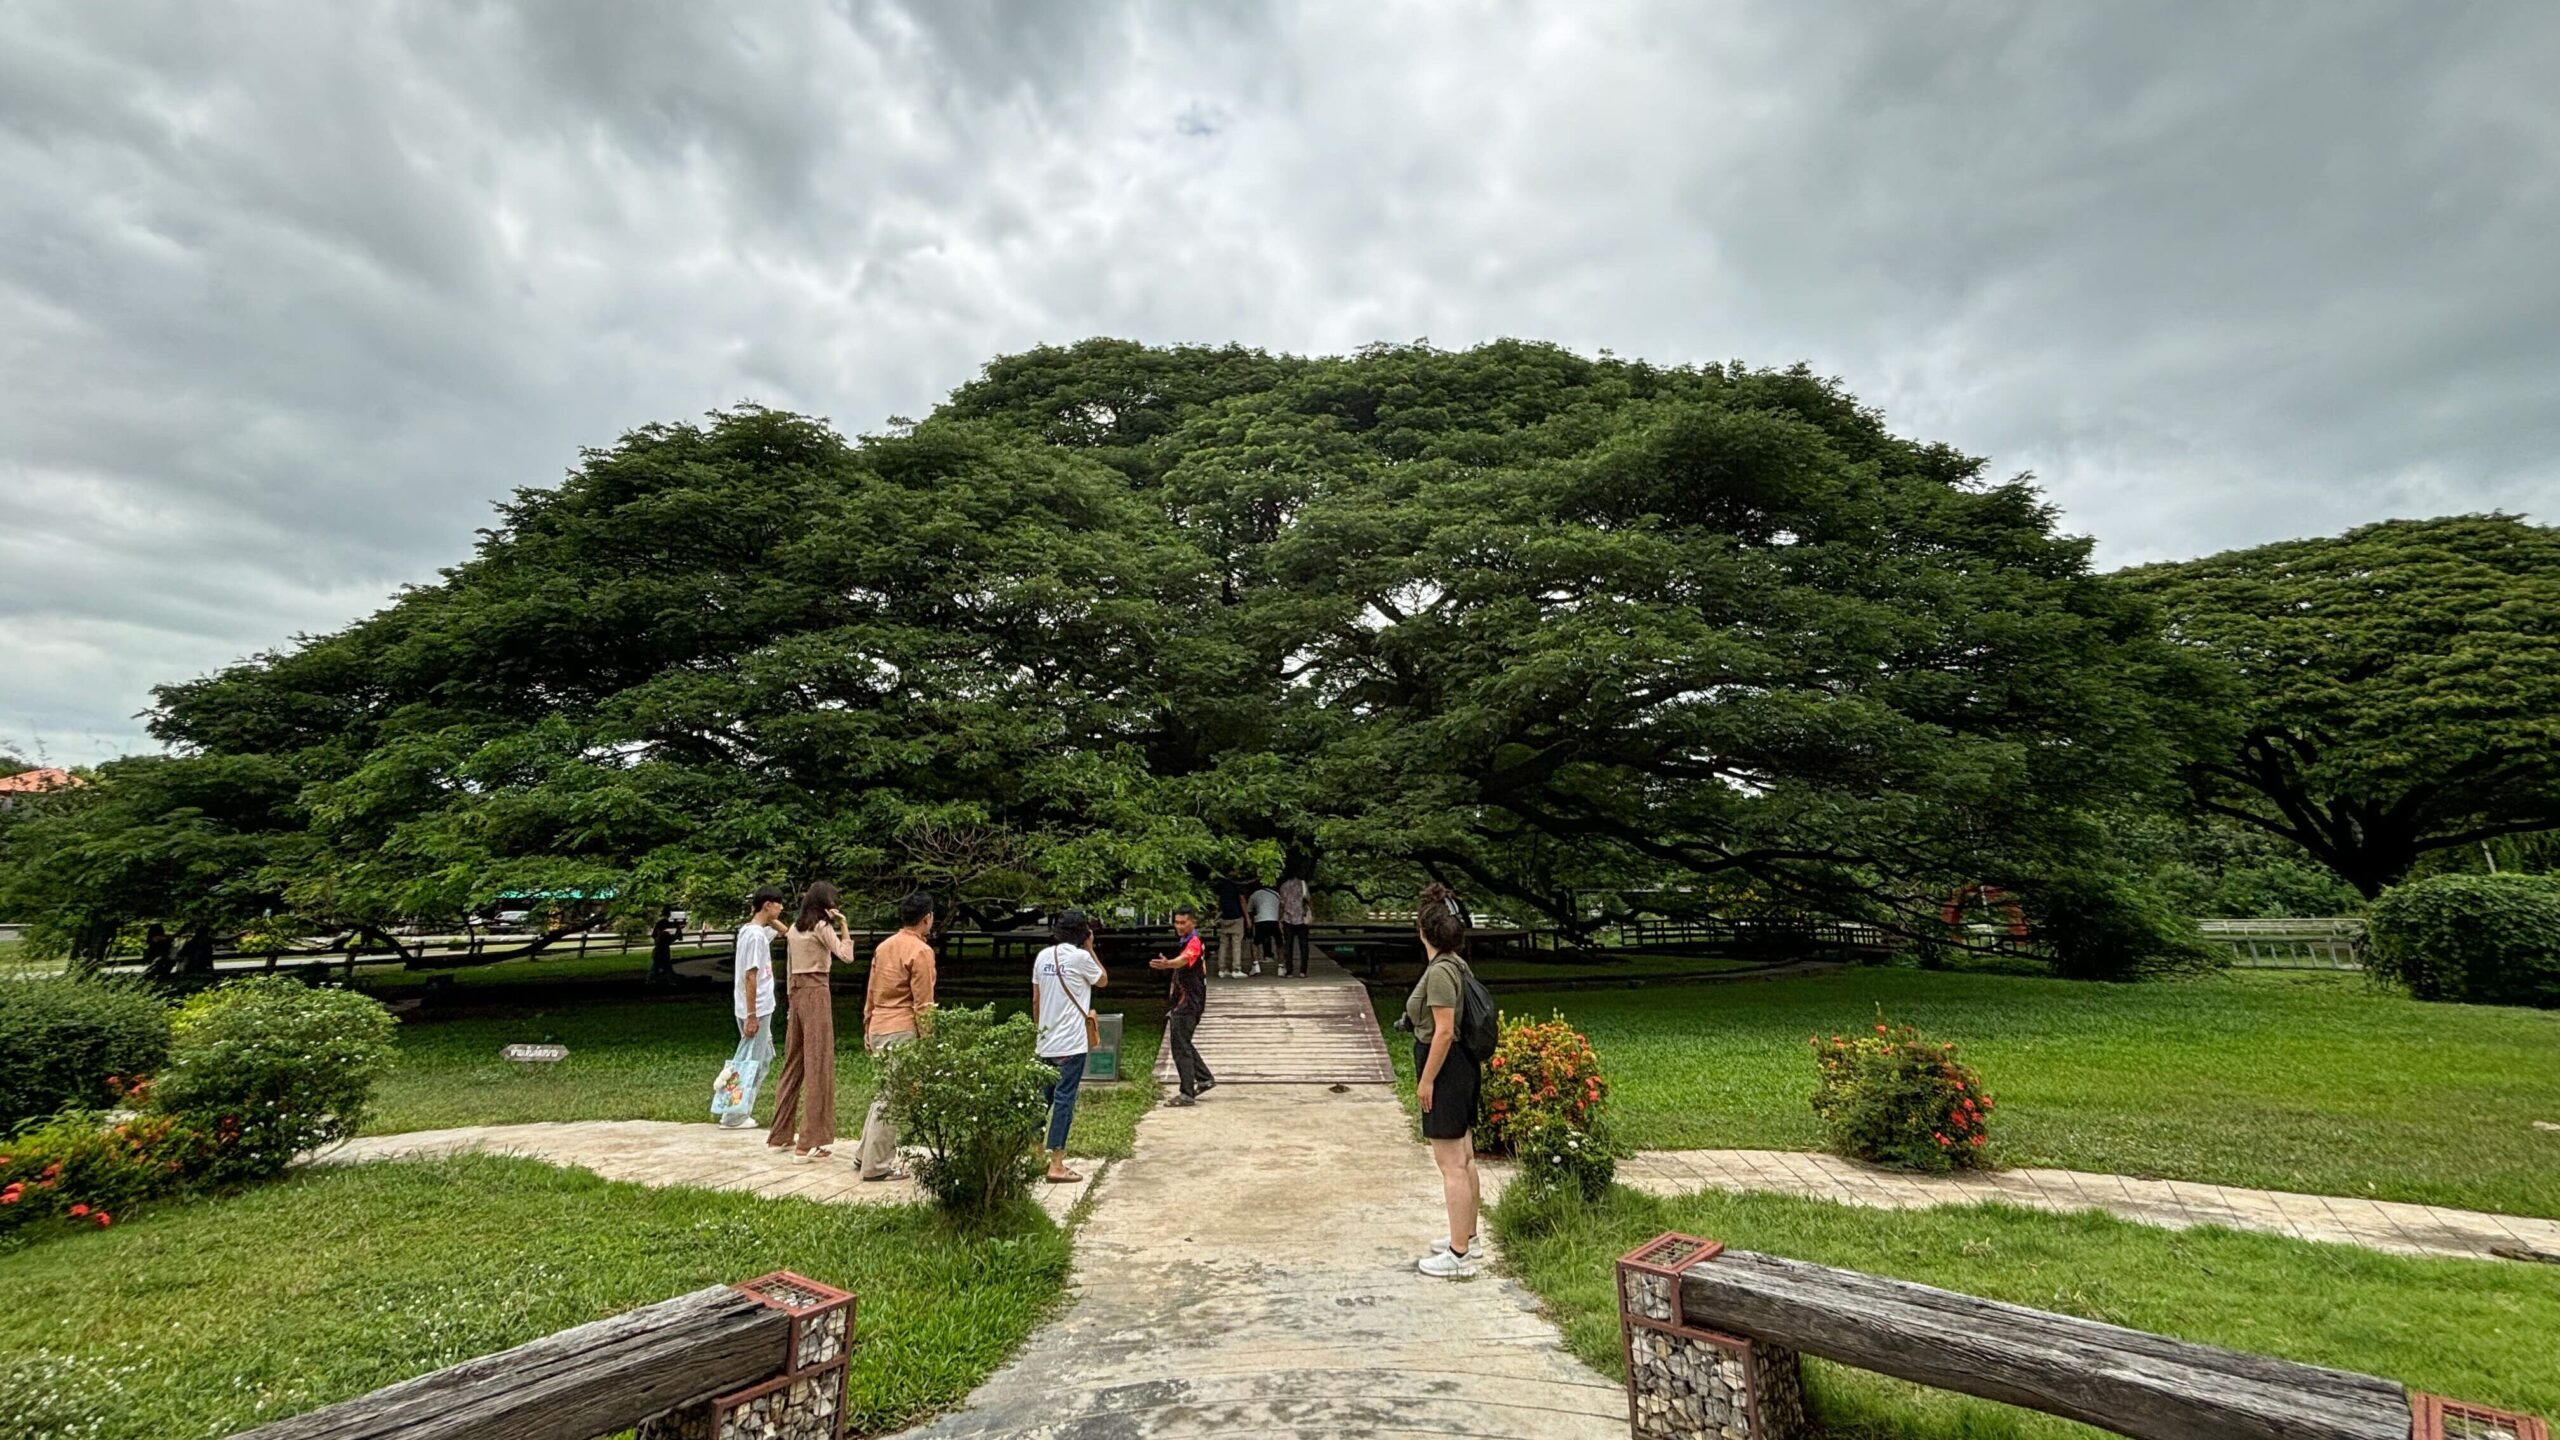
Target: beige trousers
<point>808,1068</point>
<point>878,1152</point>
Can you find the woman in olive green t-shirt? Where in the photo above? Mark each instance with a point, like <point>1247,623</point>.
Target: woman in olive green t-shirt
<point>1446,1080</point>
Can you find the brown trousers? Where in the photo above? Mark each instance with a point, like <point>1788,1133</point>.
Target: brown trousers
<point>808,1064</point>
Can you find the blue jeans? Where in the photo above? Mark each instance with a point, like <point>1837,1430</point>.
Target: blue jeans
<point>1062,1095</point>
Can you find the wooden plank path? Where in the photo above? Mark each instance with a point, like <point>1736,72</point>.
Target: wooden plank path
<point>1318,1029</point>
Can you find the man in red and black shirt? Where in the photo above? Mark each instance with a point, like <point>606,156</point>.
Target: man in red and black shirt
<point>1186,997</point>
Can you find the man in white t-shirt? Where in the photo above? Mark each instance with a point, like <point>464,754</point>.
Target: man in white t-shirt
<point>1263,907</point>
<point>1063,979</point>
<point>751,988</point>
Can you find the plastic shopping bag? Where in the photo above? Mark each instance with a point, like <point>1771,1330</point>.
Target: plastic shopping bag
<point>734,1093</point>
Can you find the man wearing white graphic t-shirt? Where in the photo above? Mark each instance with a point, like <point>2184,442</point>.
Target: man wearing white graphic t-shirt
<point>751,988</point>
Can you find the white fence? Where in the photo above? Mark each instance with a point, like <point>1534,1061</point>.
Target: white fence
<point>2329,943</point>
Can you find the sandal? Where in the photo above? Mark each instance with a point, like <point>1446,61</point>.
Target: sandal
<point>803,1157</point>
<point>892,1173</point>
<point>1070,1178</point>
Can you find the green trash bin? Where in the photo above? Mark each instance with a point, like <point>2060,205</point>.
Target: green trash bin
<point>1104,1063</point>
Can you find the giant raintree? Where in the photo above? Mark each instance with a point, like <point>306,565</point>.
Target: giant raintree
<point>1538,623</point>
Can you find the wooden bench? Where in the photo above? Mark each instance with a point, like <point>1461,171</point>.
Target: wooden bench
<point>1713,1338</point>
<point>764,1358</point>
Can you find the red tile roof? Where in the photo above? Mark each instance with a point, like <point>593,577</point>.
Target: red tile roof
<point>29,781</point>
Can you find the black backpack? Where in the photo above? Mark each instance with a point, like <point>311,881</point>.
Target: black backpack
<point>1479,1019</point>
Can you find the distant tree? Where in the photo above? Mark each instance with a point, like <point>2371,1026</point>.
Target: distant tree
<point>2400,687</point>
<point>199,843</point>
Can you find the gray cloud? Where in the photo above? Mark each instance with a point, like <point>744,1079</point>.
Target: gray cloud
<point>290,292</point>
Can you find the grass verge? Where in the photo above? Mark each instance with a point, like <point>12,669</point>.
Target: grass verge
<point>203,1319</point>
<point>2478,1330</point>
<point>2305,1082</point>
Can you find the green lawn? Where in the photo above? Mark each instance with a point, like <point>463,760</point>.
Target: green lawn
<point>2477,1330</point>
<point>2282,1081</point>
<point>654,1059</point>
<point>202,1319</point>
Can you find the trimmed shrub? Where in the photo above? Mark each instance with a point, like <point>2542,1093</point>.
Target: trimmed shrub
<point>271,1068</point>
<point>74,1042</point>
<point>1898,1098</point>
<point>1543,1093</point>
<point>2102,925</point>
<point>2485,939</point>
<point>973,1094</point>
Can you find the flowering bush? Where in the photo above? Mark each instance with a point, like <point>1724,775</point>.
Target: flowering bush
<point>1543,1093</point>
<point>270,1068</point>
<point>1897,1098</point>
<point>973,1094</point>
<point>259,1072</point>
<point>87,1169</point>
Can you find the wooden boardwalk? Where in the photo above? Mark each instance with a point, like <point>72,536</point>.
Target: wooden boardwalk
<point>1316,1030</point>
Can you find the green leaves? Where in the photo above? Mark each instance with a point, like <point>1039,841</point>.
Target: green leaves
<point>2396,690</point>
<point>1550,627</point>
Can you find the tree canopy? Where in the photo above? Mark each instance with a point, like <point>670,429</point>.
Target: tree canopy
<point>2400,687</point>
<point>1551,627</point>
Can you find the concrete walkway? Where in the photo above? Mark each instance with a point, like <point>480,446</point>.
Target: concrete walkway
<point>1250,1272</point>
<point>2393,1226</point>
<point>666,1152</point>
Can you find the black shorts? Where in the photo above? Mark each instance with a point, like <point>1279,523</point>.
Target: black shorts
<point>1266,933</point>
<point>1453,1095</point>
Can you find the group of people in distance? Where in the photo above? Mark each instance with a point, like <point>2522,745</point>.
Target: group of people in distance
<point>1261,924</point>
<point>898,1005</point>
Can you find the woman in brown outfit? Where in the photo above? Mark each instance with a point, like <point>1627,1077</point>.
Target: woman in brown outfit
<point>816,942</point>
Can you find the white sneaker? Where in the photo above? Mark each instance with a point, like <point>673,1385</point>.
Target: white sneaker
<point>1441,1245</point>
<point>1447,1265</point>
<point>1257,967</point>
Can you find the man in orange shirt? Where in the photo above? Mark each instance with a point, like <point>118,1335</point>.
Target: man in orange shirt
<point>897,1005</point>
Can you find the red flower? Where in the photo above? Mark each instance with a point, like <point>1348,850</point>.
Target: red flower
<point>50,1171</point>
<point>1880,1029</point>
<point>105,1219</point>
<point>79,1210</point>
<point>1978,1139</point>
<point>1940,1138</point>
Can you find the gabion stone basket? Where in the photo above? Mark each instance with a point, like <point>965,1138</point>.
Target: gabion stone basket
<point>805,1401</point>
<point>1687,1382</point>
<point>2434,1417</point>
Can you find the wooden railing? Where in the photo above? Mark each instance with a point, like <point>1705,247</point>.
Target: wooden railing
<point>1713,931</point>
<point>1713,1338</point>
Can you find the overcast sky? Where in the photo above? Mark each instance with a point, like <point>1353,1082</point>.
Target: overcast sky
<point>290,292</point>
